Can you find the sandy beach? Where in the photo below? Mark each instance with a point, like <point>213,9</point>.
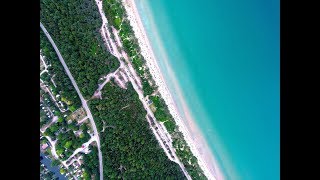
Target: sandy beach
<point>187,126</point>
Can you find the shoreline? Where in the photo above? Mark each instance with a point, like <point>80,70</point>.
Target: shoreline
<point>191,132</point>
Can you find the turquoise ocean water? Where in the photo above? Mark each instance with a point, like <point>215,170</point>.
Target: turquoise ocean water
<point>225,56</point>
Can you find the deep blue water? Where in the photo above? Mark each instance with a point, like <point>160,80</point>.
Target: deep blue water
<point>226,58</point>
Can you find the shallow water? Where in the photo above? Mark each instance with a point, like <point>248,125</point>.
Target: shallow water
<point>225,56</point>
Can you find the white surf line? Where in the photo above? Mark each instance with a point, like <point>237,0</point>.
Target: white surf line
<point>146,51</point>
<point>159,134</point>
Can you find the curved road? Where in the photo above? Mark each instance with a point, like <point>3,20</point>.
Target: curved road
<point>136,83</point>
<point>83,101</point>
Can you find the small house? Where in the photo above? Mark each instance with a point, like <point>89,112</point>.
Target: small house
<point>44,146</point>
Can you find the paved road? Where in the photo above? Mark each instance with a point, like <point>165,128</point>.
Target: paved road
<point>53,147</point>
<point>136,83</point>
<point>149,112</point>
<point>54,119</point>
<point>83,101</point>
<point>134,79</point>
<point>80,149</point>
<point>44,64</point>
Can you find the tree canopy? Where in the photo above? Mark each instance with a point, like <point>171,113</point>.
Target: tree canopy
<point>74,26</point>
<point>129,148</point>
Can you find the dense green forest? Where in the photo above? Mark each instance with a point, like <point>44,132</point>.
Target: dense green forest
<point>183,151</point>
<point>116,15</point>
<point>64,85</point>
<point>67,141</point>
<point>162,113</point>
<point>91,164</point>
<point>74,26</point>
<point>130,150</point>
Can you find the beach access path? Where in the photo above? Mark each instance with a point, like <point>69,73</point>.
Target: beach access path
<point>83,101</point>
<point>197,145</point>
<point>136,83</point>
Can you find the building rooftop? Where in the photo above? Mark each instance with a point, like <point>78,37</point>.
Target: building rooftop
<point>44,146</point>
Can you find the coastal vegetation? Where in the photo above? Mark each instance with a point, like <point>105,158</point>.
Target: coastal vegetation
<point>74,26</point>
<point>183,151</point>
<point>129,149</point>
<point>117,16</point>
<point>162,113</point>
